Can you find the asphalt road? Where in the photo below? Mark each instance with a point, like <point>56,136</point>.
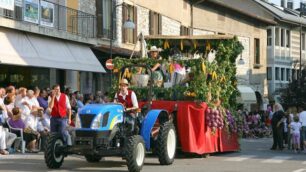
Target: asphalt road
<point>255,156</point>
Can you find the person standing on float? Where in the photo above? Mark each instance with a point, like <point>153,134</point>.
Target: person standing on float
<point>60,107</point>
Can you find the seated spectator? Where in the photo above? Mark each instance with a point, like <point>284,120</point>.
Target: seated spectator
<point>43,99</point>
<point>32,100</point>
<point>80,103</point>
<point>23,103</point>
<point>30,136</point>
<point>9,102</point>
<point>2,142</point>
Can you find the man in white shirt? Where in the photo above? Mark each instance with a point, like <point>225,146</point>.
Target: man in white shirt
<point>302,117</point>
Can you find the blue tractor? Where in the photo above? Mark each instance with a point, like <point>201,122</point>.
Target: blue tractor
<point>101,131</point>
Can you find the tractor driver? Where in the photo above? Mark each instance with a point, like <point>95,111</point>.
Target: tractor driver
<point>129,100</point>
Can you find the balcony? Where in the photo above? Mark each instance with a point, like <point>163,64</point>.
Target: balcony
<point>52,17</point>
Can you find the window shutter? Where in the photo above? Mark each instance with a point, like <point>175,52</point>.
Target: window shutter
<point>124,17</point>
<point>135,22</point>
<point>160,24</point>
<point>151,23</point>
<point>181,30</point>
<point>99,18</point>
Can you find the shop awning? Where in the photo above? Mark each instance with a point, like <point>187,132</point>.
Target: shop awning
<point>247,94</point>
<point>19,48</point>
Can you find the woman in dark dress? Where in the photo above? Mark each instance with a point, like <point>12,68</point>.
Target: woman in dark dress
<point>278,127</point>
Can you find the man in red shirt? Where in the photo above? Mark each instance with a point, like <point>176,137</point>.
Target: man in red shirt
<point>60,107</point>
<point>129,100</point>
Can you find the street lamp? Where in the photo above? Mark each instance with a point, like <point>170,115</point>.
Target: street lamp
<point>241,61</point>
<point>128,24</point>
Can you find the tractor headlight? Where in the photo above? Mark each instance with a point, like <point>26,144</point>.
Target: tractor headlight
<point>96,124</point>
<point>77,121</point>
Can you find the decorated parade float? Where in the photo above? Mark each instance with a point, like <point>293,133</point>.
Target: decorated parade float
<point>195,82</point>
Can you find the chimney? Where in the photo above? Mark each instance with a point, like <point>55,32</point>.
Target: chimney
<point>290,4</point>
<point>284,3</point>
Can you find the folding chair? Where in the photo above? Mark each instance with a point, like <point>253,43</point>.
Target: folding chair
<point>20,138</point>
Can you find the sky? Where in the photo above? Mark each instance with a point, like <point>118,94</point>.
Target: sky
<point>296,2</point>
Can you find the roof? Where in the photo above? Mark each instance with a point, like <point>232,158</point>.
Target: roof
<point>244,7</point>
<point>116,50</point>
<point>189,37</point>
<point>282,14</point>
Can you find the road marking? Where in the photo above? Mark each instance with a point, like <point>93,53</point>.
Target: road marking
<point>277,159</point>
<point>299,170</point>
<point>240,158</point>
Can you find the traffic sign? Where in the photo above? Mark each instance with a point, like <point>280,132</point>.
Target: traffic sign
<point>109,64</point>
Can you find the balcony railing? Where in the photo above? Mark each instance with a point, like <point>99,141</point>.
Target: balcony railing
<point>61,18</point>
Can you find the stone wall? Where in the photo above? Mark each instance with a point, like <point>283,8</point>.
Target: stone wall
<point>170,26</point>
<point>88,6</point>
<point>243,70</point>
<point>202,32</point>
<point>143,20</point>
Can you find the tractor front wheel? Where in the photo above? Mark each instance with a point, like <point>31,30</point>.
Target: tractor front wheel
<point>134,153</point>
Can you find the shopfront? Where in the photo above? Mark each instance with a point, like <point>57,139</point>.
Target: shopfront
<point>34,60</point>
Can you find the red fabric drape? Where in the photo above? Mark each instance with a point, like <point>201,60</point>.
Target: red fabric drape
<point>193,134</point>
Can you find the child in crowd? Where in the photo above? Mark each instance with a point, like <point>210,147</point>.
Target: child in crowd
<point>295,127</point>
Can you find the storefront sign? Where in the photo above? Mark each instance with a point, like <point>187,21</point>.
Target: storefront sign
<point>7,4</point>
<point>46,14</point>
<point>31,11</point>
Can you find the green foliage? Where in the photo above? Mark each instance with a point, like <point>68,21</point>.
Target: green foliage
<point>221,86</point>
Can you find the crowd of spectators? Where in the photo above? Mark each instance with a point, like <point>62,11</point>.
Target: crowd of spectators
<point>27,109</point>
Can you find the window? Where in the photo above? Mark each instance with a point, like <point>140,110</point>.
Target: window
<point>129,12</point>
<point>287,74</point>
<point>277,36</point>
<point>104,8</point>
<point>282,74</point>
<point>303,41</point>
<point>277,73</point>
<point>185,30</point>
<point>269,73</point>
<point>269,36</point>
<point>282,37</point>
<point>293,74</point>
<point>288,38</point>
<point>257,51</point>
<point>155,23</point>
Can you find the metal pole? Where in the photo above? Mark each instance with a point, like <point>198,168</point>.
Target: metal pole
<point>111,39</point>
<point>301,48</point>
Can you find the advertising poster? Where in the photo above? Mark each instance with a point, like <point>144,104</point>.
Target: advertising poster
<point>46,14</point>
<point>31,11</point>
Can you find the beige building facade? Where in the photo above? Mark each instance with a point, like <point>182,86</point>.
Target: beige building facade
<point>208,17</point>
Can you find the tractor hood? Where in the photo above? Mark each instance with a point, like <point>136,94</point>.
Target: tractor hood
<point>105,115</point>
<point>102,108</point>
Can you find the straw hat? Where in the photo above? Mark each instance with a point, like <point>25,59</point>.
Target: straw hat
<point>154,48</point>
<point>124,81</point>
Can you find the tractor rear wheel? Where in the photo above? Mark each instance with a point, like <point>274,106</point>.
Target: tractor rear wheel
<point>166,143</point>
<point>54,158</point>
<point>134,152</point>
